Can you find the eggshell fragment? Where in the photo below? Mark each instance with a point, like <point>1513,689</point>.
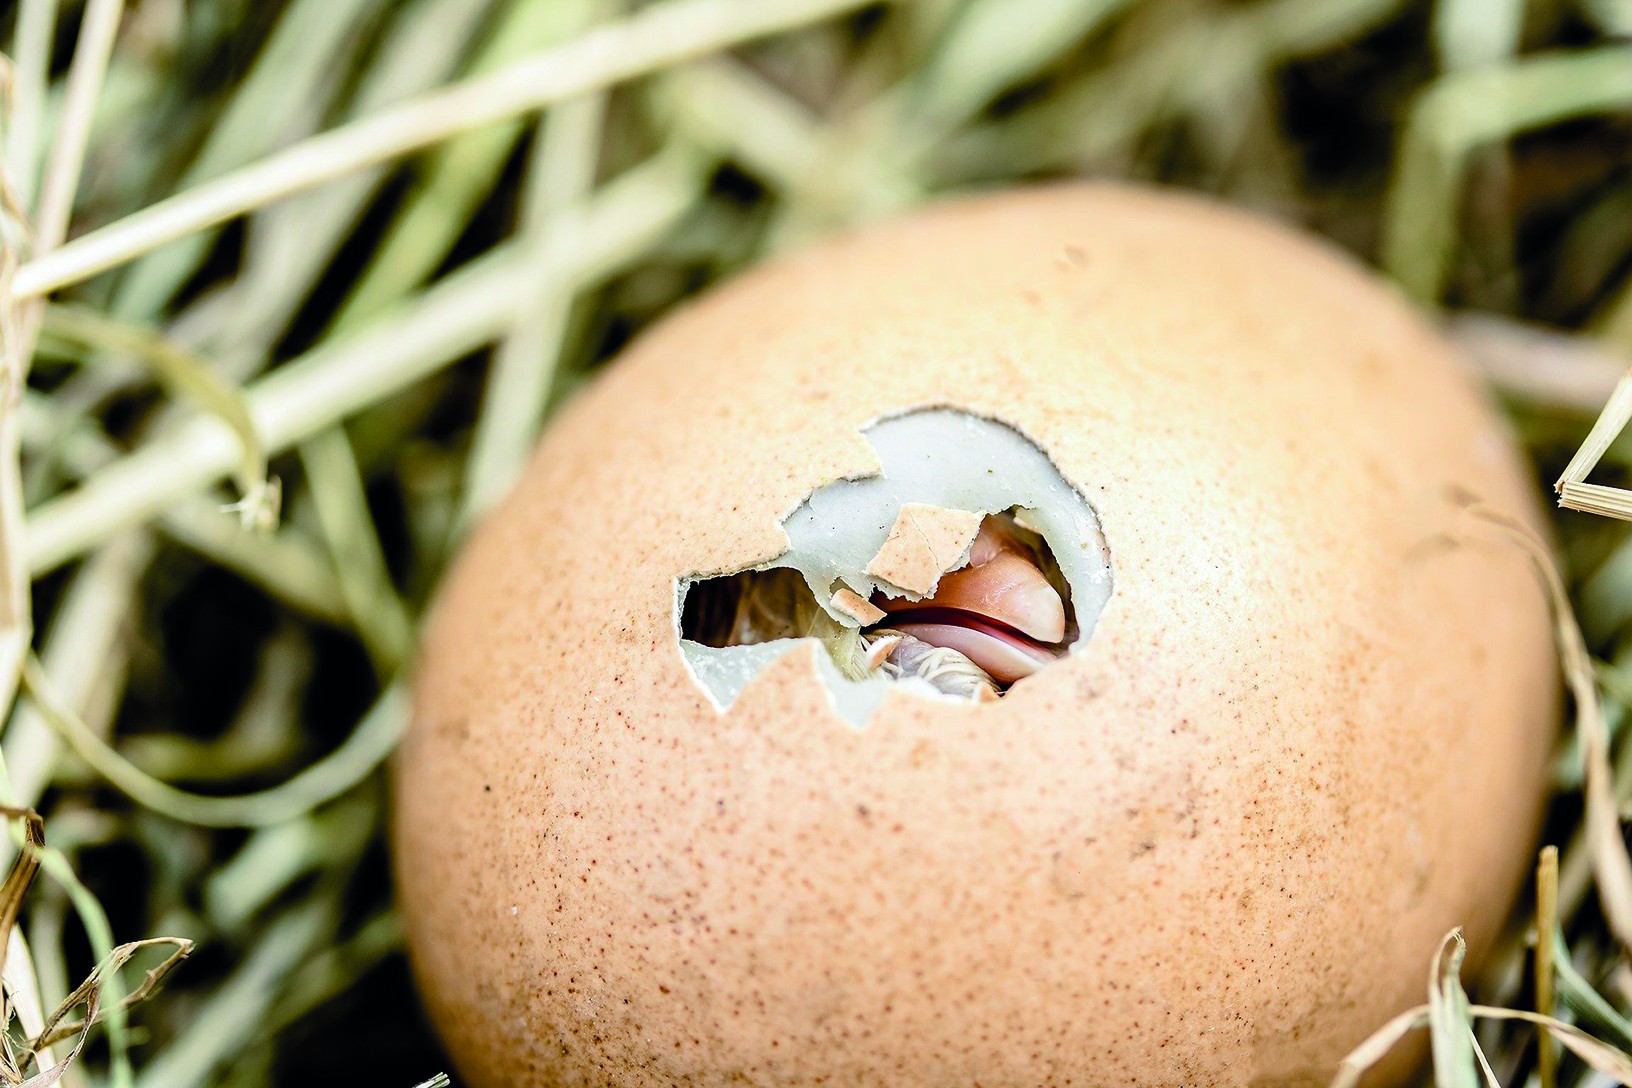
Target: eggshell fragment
<point>878,651</point>
<point>857,607</point>
<point>1216,844</point>
<point>924,543</point>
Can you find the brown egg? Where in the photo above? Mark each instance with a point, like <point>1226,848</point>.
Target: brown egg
<point>1213,711</point>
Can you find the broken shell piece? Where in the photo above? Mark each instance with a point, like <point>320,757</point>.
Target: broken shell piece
<point>924,543</point>
<point>878,651</point>
<point>848,602</point>
<point>943,668</point>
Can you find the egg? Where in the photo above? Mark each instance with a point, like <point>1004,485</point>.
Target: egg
<point>1041,640</point>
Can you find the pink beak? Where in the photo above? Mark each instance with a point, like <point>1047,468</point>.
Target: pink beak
<point>999,611</point>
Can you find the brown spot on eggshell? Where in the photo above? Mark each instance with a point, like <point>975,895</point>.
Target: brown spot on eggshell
<point>1292,707</point>
<point>924,543</point>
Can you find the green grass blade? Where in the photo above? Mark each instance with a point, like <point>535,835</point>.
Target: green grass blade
<point>1466,110</point>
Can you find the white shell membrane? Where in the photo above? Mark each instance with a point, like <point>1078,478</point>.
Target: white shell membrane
<point>941,457</point>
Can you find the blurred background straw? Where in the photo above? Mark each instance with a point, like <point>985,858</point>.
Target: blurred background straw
<point>289,286</point>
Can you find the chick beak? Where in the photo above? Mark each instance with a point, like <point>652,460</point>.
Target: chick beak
<point>1000,611</point>
<point>1007,588</point>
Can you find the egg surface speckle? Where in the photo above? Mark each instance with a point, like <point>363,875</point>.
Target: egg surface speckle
<point>1216,844</point>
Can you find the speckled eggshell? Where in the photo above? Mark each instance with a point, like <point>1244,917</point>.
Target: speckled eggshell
<point>1217,847</point>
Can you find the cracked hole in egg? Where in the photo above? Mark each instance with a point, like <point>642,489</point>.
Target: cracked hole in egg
<point>965,565</point>
<point>999,614</point>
